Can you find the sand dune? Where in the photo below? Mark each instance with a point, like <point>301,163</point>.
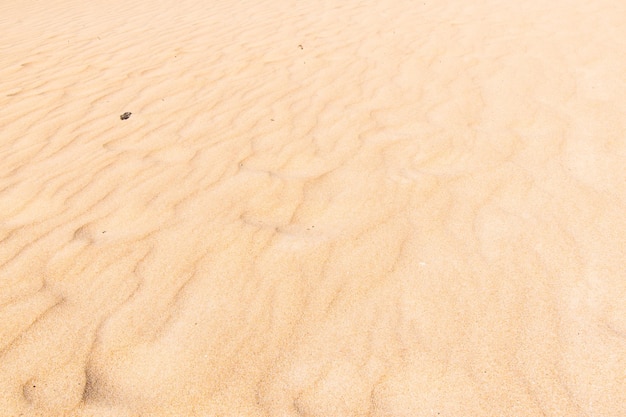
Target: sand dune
<point>315,209</point>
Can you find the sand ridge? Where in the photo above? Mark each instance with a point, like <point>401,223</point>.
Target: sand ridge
<point>398,209</point>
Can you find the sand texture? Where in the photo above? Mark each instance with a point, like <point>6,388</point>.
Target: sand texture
<point>315,209</point>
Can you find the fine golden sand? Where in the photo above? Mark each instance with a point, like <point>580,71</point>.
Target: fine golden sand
<point>316,209</point>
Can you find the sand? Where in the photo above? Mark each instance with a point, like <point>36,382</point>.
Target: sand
<point>398,208</point>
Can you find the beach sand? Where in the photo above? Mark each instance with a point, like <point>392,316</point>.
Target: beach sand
<point>315,209</point>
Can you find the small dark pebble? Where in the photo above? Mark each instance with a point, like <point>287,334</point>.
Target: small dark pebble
<point>125,115</point>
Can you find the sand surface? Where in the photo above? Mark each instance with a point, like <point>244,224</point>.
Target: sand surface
<point>316,209</point>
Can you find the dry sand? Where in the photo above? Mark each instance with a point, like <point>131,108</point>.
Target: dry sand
<point>323,208</point>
